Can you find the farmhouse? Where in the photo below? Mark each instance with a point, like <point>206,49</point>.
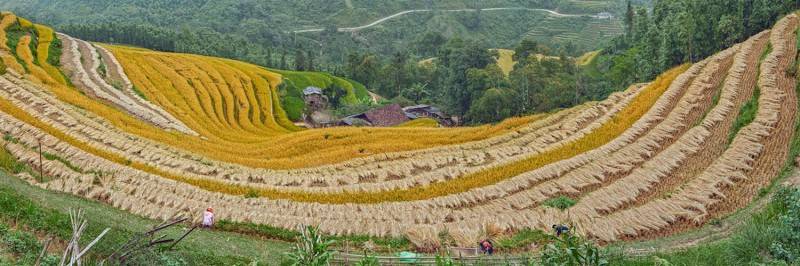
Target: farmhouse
<point>386,116</point>
<point>314,98</point>
<point>424,110</point>
<point>316,103</point>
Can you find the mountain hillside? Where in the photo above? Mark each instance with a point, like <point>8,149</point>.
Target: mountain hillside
<point>262,29</point>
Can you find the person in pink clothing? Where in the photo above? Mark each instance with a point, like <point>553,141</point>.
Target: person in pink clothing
<point>208,218</point>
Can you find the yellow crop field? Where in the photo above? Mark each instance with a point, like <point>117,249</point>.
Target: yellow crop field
<point>505,60</point>
<point>587,58</point>
<point>421,122</point>
<point>24,23</point>
<point>243,125</point>
<point>5,52</point>
<point>7,20</point>
<point>24,52</point>
<point>210,185</point>
<point>46,36</point>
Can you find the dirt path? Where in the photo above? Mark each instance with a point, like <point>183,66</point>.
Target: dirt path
<point>401,13</point>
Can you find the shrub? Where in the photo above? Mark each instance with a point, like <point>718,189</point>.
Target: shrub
<point>561,202</point>
<point>787,245</point>
<point>444,261</point>
<point>251,194</point>
<point>20,242</point>
<point>522,239</point>
<point>572,250</point>
<point>368,261</point>
<point>311,249</point>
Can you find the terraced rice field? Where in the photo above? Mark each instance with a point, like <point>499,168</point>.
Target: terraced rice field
<point>562,30</point>
<point>160,134</point>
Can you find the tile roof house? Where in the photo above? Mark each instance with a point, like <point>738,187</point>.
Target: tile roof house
<point>424,110</point>
<point>312,90</point>
<point>386,116</point>
<point>314,99</point>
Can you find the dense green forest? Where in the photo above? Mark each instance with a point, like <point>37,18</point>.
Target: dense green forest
<point>680,31</point>
<point>656,38</point>
<point>263,32</point>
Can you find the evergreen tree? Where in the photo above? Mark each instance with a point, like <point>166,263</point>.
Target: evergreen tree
<point>283,64</point>
<point>310,61</point>
<point>300,60</point>
<point>629,15</point>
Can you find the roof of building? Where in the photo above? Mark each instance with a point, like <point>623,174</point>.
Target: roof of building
<point>354,121</point>
<point>385,116</point>
<point>424,107</point>
<point>312,90</point>
<point>418,106</point>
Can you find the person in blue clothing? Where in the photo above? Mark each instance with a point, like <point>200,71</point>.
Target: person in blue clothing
<point>560,229</point>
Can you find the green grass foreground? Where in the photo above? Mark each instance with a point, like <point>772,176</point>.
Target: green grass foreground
<point>46,212</point>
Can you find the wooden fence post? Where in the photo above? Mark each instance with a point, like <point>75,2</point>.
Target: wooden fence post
<point>41,168</point>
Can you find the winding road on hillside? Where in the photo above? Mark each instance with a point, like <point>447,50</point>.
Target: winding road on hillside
<point>401,13</point>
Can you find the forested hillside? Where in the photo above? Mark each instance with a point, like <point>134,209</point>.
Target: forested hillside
<point>464,80</point>
<point>679,31</point>
<point>262,31</point>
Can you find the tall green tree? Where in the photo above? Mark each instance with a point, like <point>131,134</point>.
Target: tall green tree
<point>457,57</point>
<point>493,105</point>
<point>300,63</point>
<point>629,15</point>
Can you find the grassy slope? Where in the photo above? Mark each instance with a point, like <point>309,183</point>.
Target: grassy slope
<point>203,246</point>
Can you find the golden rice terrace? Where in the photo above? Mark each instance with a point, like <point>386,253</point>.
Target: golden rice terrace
<point>159,134</point>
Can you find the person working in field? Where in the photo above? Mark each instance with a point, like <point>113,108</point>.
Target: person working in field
<point>560,229</point>
<point>208,218</point>
<point>486,246</point>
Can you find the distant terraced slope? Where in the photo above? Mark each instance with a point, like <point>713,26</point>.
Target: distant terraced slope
<point>695,144</point>
<point>224,110</point>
